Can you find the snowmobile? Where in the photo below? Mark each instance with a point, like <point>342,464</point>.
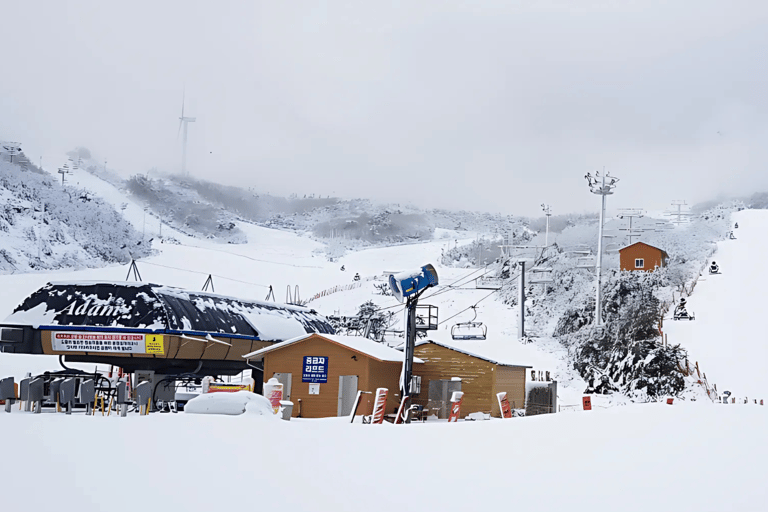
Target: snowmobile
<point>731,235</point>
<point>681,313</point>
<point>714,268</point>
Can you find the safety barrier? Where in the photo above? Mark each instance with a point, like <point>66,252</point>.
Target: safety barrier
<point>339,288</point>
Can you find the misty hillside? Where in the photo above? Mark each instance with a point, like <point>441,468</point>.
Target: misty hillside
<point>205,209</point>
<point>46,226</point>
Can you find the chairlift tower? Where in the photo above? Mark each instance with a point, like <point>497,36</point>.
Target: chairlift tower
<point>64,171</point>
<point>632,213</point>
<point>602,185</point>
<point>548,212</point>
<point>12,148</point>
<point>680,214</point>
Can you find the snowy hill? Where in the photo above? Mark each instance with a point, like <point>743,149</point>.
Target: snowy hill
<point>46,226</point>
<point>576,449</point>
<point>284,260</point>
<point>728,336</point>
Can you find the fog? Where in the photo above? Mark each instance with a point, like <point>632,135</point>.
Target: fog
<point>493,106</point>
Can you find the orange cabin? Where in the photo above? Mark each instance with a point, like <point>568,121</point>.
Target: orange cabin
<point>641,256</point>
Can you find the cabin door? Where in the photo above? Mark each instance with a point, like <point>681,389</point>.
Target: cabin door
<point>347,394</point>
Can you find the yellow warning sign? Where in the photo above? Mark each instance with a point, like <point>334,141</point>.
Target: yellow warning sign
<point>154,344</point>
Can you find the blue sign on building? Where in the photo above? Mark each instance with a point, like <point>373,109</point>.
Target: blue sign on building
<point>315,370</point>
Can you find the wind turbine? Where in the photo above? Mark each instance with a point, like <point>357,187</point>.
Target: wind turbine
<point>184,121</point>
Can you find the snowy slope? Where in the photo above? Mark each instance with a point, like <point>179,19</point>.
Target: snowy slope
<point>728,336</point>
<point>649,457</point>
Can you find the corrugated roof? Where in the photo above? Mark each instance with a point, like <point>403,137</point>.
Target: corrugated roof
<point>364,346</point>
<point>449,347</point>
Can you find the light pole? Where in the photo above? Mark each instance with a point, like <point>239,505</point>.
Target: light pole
<point>548,212</point>
<point>601,185</point>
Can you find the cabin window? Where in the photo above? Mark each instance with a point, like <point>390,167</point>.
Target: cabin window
<point>639,263</point>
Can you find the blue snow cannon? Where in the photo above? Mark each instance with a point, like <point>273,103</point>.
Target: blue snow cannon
<point>405,284</point>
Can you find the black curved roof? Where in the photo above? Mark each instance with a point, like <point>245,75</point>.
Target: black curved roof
<point>157,307</point>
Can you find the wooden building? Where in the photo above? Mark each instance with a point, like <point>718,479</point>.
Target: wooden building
<point>322,374</point>
<point>641,256</point>
<point>481,378</point>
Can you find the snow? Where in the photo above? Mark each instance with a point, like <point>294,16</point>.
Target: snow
<point>727,336</point>
<point>683,457</point>
<point>357,343</point>
<point>234,403</point>
<point>619,456</point>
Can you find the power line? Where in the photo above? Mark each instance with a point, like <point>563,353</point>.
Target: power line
<point>204,273</point>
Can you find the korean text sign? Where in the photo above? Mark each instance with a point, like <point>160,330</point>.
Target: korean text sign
<point>315,369</point>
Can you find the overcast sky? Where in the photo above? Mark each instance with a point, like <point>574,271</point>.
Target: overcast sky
<point>480,105</point>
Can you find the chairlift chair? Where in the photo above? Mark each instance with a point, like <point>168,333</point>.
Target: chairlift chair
<point>469,330</point>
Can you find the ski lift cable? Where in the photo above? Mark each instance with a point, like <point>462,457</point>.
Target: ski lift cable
<point>448,288</point>
<point>451,286</point>
<point>250,257</point>
<point>204,273</point>
<point>468,308</point>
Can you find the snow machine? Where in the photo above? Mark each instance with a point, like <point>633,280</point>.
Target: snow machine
<point>714,268</point>
<point>469,330</point>
<point>681,313</point>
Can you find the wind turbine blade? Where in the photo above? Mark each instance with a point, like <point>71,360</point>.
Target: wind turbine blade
<point>183,97</point>
<point>179,131</point>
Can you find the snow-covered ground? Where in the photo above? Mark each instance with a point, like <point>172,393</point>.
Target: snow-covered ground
<point>688,456</point>
<point>728,336</point>
<point>651,457</point>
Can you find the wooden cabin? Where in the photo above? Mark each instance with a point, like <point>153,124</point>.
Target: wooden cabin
<point>481,379</point>
<point>641,256</point>
<point>322,374</point>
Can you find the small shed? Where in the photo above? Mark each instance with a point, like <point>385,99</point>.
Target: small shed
<point>641,256</point>
<point>481,379</point>
<point>322,373</point>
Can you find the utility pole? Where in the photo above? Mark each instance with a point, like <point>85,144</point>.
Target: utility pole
<point>602,185</point>
<point>548,212</point>
<point>521,300</point>
<point>144,225</point>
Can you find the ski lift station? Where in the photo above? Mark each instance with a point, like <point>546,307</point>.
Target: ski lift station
<point>641,256</point>
<point>145,327</point>
<point>164,335</point>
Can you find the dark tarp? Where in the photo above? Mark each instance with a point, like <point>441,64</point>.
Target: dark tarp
<point>156,307</point>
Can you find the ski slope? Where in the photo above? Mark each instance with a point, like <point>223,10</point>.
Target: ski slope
<point>635,457</point>
<point>649,457</point>
<point>728,337</point>
<point>282,259</point>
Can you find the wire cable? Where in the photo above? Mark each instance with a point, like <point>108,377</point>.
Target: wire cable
<point>203,273</point>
